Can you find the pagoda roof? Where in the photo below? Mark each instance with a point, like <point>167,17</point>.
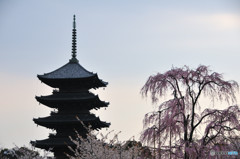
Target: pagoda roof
<point>82,100</point>
<point>55,121</point>
<point>69,70</point>
<point>72,75</point>
<point>53,143</point>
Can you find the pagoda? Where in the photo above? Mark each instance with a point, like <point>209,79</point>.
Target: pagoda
<point>71,101</point>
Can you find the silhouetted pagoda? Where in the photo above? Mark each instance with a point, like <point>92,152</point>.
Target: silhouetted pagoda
<point>72,99</point>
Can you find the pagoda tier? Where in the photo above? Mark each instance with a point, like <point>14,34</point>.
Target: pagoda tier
<point>71,121</point>
<point>67,100</point>
<point>53,142</point>
<point>72,76</point>
<point>58,145</point>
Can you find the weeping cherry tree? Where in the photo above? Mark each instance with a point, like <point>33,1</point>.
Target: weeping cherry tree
<point>179,127</point>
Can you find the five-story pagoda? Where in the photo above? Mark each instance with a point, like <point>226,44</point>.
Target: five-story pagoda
<point>73,101</point>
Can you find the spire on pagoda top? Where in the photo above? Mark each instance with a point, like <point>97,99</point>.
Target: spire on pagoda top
<point>72,74</point>
<point>74,42</point>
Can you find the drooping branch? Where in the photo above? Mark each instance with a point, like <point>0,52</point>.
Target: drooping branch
<point>219,121</point>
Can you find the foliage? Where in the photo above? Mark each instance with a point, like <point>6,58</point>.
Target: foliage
<point>176,126</point>
<point>19,153</point>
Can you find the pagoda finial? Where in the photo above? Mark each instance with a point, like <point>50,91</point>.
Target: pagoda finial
<point>74,42</point>
<point>74,22</point>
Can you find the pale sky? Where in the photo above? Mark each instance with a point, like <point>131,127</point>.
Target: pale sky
<point>123,41</point>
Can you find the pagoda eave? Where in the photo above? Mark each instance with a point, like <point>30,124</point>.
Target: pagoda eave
<point>51,143</point>
<point>52,123</point>
<point>77,83</point>
<point>92,102</point>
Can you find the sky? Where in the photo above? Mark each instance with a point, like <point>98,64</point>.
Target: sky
<point>123,41</point>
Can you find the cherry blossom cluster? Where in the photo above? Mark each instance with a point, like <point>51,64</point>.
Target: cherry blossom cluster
<point>102,147</point>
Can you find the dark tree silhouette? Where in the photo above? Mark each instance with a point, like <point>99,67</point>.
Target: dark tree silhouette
<point>177,126</point>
